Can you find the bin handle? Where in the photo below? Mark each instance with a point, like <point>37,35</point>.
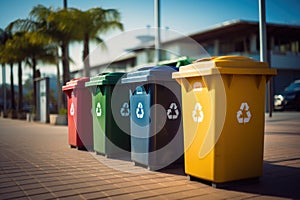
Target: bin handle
<point>140,90</point>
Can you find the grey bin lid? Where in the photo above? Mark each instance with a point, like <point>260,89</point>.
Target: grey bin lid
<point>146,74</point>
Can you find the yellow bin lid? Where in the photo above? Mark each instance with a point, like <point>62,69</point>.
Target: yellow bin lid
<point>224,65</point>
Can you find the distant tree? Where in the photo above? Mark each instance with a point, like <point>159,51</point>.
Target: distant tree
<point>37,43</point>
<point>8,58</point>
<point>3,38</point>
<point>16,52</point>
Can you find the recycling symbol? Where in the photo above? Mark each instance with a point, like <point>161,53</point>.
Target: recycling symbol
<point>124,111</point>
<point>197,113</point>
<point>243,115</point>
<point>72,109</point>
<point>98,110</point>
<point>173,111</point>
<point>139,111</point>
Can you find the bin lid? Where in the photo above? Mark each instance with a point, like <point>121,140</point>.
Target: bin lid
<point>153,73</point>
<point>105,79</point>
<point>224,65</point>
<point>75,83</point>
<point>178,62</point>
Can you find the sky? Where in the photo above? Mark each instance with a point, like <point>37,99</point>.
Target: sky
<point>185,17</point>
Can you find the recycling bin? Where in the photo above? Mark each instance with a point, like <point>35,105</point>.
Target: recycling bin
<point>223,102</point>
<point>156,129</point>
<point>80,131</point>
<point>111,115</point>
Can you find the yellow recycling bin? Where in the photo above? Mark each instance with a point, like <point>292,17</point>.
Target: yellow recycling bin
<point>223,105</point>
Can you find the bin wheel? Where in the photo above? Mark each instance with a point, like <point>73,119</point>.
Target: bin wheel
<point>214,185</point>
<point>72,146</point>
<point>192,178</point>
<point>81,148</point>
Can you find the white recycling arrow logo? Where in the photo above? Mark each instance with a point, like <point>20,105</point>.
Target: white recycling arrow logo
<point>243,115</point>
<point>124,111</point>
<point>139,111</point>
<point>72,110</point>
<point>197,113</point>
<point>98,110</point>
<point>173,111</point>
<point>198,86</point>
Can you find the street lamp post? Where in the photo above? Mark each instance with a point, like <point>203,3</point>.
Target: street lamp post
<point>157,25</point>
<point>263,47</point>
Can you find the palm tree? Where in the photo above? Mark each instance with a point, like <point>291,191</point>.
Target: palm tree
<point>7,57</point>
<point>30,47</point>
<point>63,29</point>
<point>17,56</point>
<point>37,44</point>
<point>90,24</point>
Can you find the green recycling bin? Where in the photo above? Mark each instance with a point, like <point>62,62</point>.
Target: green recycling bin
<point>111,117</point>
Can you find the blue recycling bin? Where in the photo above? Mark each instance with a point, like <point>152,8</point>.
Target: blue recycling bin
<point>156,125</point>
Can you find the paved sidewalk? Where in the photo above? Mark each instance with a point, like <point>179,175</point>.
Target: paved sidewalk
<point>37,163</point>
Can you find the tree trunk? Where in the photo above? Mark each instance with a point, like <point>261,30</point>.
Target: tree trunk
<point>12,88</point>
<point>34,84</point>
<point>4,89</point>
<point>86,58</point>
<point>20,98</point>
<point>59,92</point>
<point>66,68</point>
<point>65,62</point>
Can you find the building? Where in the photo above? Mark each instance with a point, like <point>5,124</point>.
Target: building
<point>230,38</point>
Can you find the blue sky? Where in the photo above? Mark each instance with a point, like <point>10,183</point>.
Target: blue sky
<point>186,17</point>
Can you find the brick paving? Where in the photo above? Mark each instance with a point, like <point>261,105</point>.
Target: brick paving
<point>37,163</point>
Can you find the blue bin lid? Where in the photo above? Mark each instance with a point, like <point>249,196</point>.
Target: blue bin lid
<point>152,73</point>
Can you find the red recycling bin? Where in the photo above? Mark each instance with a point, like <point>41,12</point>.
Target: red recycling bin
<point>80,127</point>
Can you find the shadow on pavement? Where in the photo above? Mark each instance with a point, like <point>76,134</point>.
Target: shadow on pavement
<point>277,181</point>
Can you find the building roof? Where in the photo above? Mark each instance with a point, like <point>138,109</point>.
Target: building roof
<point>238,27</point>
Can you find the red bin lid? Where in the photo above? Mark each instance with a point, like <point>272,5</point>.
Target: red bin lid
<point>76,83</point>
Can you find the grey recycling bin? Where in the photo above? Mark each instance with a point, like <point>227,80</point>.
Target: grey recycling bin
<point>156,125</point>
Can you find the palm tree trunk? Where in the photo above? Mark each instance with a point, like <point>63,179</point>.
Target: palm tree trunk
<point>65,62</point>
<point>66,68</point>
<point>34,84</point>
<point>12,90</point>
<point>86,59</point>
<point>20,98</point>
<point>59,93</point>
<point>4,89</point>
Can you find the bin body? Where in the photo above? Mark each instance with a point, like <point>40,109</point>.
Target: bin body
<point>111,115</point>
<point>156,129</point>
<point>223,103</point>
<point>79,114</point>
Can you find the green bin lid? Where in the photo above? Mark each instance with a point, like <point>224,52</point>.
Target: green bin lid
<point>105,79</point>
<point>178,62</point>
